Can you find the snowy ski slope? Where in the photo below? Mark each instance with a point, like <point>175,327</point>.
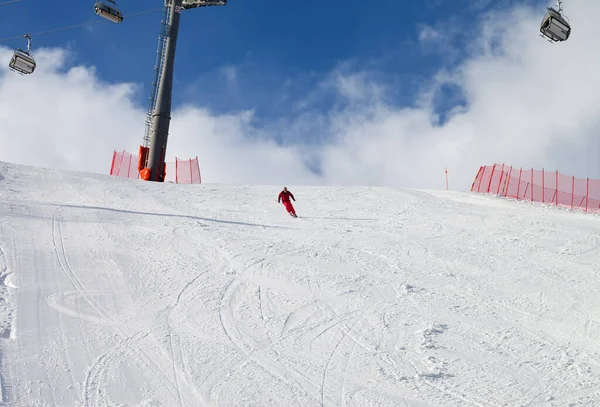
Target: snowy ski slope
<point>126,293</point>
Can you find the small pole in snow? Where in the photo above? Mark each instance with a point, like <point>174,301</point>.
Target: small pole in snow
<point>446,170</point>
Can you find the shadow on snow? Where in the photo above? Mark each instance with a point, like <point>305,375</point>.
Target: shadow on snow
<point>230,222</point>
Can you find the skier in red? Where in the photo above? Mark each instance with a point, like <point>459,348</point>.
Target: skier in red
<point>285,196</point>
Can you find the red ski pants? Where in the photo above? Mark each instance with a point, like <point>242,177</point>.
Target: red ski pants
<point>289,207</point>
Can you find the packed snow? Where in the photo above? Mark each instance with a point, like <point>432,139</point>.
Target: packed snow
<point>129,293</point>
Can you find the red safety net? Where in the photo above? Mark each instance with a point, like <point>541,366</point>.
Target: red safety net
<point>187,171</point>
<point>548,187</point>
<point>125,165</point>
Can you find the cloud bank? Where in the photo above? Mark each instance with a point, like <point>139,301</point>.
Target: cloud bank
<point>516,99</point>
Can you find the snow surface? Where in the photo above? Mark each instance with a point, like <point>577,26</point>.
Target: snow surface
<point>127,293</point>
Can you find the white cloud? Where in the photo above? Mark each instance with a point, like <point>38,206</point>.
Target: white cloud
<point>357,87</point>
<point>64,119</point>
<point>445,38</point>
<point>231,150</point>
<point>429,33</point>
<point>527,103</point>
<point>230,73</point>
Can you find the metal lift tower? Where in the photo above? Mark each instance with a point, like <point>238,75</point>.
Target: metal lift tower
<point>159,112</point>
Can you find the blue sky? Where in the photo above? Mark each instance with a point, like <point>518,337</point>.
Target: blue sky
<point>344,92</point>
<point>277,49</point>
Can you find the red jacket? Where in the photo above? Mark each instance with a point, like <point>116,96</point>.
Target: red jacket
<point>285,196</point>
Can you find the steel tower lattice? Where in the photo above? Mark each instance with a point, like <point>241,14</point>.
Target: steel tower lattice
<point>159,117</point>
<point>158,67</point>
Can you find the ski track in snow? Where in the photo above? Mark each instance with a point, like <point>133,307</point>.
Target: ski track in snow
<point>125,293</point>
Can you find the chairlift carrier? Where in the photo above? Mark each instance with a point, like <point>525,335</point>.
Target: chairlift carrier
<point>22,61</point>
<point>554,26</point>
<point>109,10</point>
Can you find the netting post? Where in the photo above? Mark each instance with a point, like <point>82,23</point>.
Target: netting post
<point>176,171</point>
<point>112,164</point>
<point>508,181</point>
<point>519,184</point>
<point>556,193</point>
<point>500,181</point>
<point>199,175</point>
<point>572,190</point>
<point>543,185</point>
<point>491,178</point>
<point>532,185</point>
<point>121,163</point>
<point>587,193</point>
<point>475,179</point>
<point>481,179</point>
<point>191,171</point>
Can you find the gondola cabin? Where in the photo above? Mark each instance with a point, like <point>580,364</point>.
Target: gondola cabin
<point>22,62</point>
<point>108,10</point>
<point>554,26</point>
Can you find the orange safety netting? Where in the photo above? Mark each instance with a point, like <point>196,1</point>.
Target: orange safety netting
<point>126,165</point>
<point>549,187</point>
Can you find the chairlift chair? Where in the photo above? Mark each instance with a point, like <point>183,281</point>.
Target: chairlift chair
<point>554,27</point>
<point>109,10</point>
<point>22,61</point>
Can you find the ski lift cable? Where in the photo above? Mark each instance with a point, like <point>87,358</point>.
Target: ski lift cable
<point>76,25</point>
